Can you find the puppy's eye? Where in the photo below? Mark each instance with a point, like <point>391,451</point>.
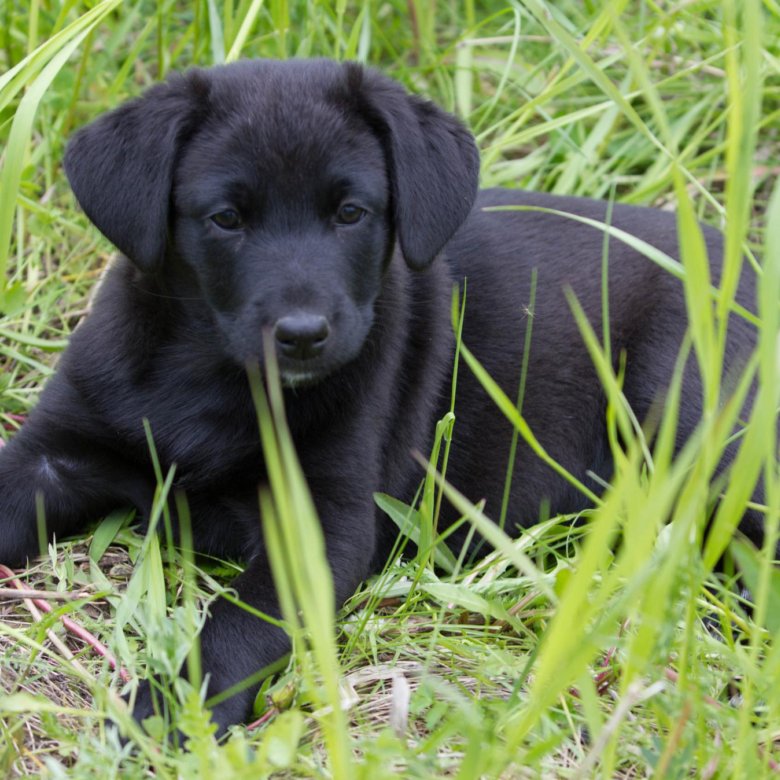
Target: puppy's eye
<point>229,219</point>
<point>350,214</point>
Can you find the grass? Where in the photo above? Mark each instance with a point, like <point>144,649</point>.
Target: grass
<point>559,654</point>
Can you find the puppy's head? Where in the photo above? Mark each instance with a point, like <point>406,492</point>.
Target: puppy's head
<point>278,191</point>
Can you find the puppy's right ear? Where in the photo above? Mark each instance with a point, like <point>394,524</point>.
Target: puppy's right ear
<point>121,166</point>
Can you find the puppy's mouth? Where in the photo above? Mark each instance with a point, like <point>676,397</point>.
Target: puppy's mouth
<point>294,374</point>
<point>294,377</point>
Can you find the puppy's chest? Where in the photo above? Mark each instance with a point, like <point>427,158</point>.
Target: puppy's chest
<point>200,420</point>
<point>206,431</point>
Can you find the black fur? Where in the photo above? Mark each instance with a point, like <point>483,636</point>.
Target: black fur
<point>360,311</point>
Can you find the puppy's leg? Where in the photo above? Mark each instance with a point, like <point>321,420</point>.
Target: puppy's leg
<point>51,470</point>
<point>235,644</point>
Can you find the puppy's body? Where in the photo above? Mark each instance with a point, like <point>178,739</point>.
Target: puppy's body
<point>323,204</point>
<point>563,400</point>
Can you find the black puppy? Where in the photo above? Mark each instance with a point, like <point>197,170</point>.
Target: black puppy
<point>322,203</point>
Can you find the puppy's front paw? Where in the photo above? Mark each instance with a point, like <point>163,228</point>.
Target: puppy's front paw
<point>18,540</point>
<point>166,716</point>
<point>152,709</point>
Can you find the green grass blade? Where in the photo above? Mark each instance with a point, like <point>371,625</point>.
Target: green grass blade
<point>21,128</point>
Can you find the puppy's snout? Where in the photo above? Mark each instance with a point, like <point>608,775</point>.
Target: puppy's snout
<point>301,336</point>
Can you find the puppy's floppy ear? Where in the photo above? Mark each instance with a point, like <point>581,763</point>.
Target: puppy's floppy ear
<point>433,162</point>
<point>121,166</point>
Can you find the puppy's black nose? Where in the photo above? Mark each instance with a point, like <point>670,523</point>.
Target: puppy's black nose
<point>301,336</point>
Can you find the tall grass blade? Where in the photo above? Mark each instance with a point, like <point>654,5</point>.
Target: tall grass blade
<point>299,563</point>
<point>58,51</point>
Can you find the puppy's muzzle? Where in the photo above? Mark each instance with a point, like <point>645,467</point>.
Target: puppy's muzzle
<point>301,336</point>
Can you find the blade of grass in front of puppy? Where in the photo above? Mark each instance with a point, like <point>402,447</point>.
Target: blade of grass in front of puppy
<point>700,309</point>
<point>445,426</point>
<point>661,259</point>
<point>289,550</point>
<point>148,581</point>
<point>158,474</point>
<point>298,561</point>
<point>427,514</point>
<point>189,591</point>
<point>744,472</point>
<point>744,79</point>
<point>305,535</point>
<point>106,531</point>
<point>510,412</point>
<point>407,520</point>
<point>510,466</point>
<point>769,381</point>
<point>430,503</point>
<point>649,506</point>
<point>617,404</point>
<point>145,598</point>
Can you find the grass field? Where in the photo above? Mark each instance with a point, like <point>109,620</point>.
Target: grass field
<point>560,654</point>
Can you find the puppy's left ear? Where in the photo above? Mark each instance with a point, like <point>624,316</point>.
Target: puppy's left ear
<point>433,162</point>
